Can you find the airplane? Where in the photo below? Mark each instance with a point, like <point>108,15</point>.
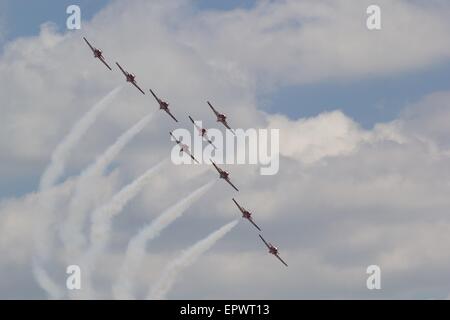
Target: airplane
<point>273,250</point>
<point>224,175</point>
<point>130,78</point>
<point>202,132</point>
<point>97,54</point>
<point>163,106</point>
<point>220,117</point>
<point>245,214</point>
<point>183,147</point>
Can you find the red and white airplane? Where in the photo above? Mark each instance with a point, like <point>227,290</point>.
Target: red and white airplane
<point>220,117</point>
<point>247,215</point>
<point>163,106</point>
<point>273,250</point>
<point>97,53</point>
<point>130,78</point>
<point>203,132</point>
<point>183,147</point>
<point>223,175</point>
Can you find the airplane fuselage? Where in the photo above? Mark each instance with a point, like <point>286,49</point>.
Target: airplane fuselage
<point>184,148</point>
<point>273,250</point>
<point>221,118</point>
<point>223,175</point>
<point>163,105</point>
<point>97,53</point>
<point>130,78</point>
<point>247,215</point>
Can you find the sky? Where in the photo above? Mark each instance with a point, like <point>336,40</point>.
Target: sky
<point>383,97</point>
<point>363,118</point>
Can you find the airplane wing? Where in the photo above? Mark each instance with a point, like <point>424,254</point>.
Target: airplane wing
<point>170,114</point>
<point>195,125</point>
<point>253,223</point>
<point>134,84</point>
<point>210,142</point>
<point>121,69</point>
<point>240,208</point>
<point>212,108</point>
<point>217,168</point>
<point>228,180</point>
<point>192,157</point>
<point>174,137</point>
<point>264,241</point>
<point>104,62</point>
<point>92,48</point>
<point>281,260</point>
<point>228,127</point>
<point>157,99</point>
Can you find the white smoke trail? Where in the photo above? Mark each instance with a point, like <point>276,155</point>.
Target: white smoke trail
<point>62,152</point>
<point>188,257</point>
<point>101,223</point>
<point>43,247</point>
<point>46,204</point>
<point>122,289</point>
<point>51,174</point>
<point>101,219</point>
<point>71,232</point>
<point>45,282</point>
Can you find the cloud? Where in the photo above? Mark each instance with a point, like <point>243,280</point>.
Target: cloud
<point>29,227</point>
<point>188,257</point>
<point>310,41</point>
<point>428,119</point>
<point>135,252</point>
<point>326,135</point>
<point>59,157</point>
<point>345,197</point>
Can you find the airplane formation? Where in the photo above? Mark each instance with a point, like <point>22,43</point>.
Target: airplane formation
<point>220,117</point>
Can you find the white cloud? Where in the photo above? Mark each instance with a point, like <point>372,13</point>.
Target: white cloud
<point>309,41</point>
<point>345,197</point>
<point>326,135</point>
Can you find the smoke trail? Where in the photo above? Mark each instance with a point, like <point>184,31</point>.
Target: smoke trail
<point>45,282</point>
<point>108,156</point>
<point>122,289</point>
<point>101,219</point>
<point>188,257</point>
<point>60,155</point>
<point>101,222</point>
<point>71,233</point>
<point>46,204</point>
<point>51,174</point>
<point>43,247</point>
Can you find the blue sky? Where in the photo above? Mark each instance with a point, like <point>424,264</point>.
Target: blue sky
<point>367,101</point>
<point>343,199</point>
<point>24,17</point>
